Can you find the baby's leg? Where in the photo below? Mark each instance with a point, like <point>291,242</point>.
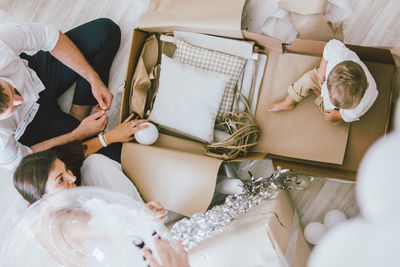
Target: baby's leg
<point>307,84</point>
<point>286,104</point>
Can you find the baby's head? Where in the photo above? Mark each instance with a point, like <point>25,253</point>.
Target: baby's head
<point>347,84</point>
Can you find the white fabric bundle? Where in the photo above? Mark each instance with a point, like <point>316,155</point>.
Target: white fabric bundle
<point>188,99</point>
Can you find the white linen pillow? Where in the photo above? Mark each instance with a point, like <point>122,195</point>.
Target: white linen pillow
<point>188,99</point>
<point>213,61</point>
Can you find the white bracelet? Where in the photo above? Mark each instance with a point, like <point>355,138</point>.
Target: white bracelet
<point>105,139</point>
<point>102,141</point>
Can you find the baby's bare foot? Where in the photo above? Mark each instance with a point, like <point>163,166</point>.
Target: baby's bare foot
<point>282,105</point>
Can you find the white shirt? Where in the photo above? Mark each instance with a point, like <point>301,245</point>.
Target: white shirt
<point>336,52</point>
<point>14,39</point>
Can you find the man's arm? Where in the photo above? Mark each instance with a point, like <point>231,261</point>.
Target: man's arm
<point>90,126</point>
<point>67,53</point>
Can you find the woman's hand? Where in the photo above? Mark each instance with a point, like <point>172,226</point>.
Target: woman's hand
<point>124,132</point>
<point>158,209</point>
<point>169,257</point>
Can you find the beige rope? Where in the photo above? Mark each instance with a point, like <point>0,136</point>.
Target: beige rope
<point>244,133</point>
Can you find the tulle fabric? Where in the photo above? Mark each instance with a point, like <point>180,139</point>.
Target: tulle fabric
<point>84,226</point>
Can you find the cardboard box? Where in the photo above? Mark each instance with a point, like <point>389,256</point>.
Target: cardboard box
<point>176,172</point>
<point>268,235</point>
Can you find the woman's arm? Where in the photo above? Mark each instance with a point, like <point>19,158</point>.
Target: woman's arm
<point>90,126</point>
<point>121,133</point>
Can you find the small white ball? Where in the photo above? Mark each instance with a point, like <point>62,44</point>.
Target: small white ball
<point>314,231</point>
<point>147,136</point>
<point>334,217</point>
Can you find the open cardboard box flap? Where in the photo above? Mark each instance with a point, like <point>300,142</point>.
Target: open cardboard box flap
<point>339,150</point>
<point>220,18</point>
<point>177,176</point>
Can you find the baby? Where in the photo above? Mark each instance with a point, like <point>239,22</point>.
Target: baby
<point>346,95</point>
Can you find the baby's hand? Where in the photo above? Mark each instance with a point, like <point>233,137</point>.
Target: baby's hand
<point>158,209</point>
<point>332,116</point>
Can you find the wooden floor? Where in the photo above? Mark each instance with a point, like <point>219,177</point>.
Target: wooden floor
<point>312,203</point>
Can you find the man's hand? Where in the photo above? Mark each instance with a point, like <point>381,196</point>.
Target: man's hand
<point>102,94</point>
<point>91,125</point>
<point>332,116</point>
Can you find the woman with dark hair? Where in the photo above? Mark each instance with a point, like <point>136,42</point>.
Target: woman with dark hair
<point>59,168</point>
<point>30,178</point>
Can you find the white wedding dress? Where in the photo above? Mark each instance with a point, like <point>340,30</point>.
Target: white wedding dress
<point>16,236</point>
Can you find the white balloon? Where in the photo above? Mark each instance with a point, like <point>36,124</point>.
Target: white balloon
<point>314,231</point>
<point>358,243</point>
<point>334,217</point>
<point>147,136</point>
<point>379,180</point>
<point>346,245</point>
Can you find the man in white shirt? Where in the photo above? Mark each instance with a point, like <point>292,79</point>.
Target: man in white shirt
<point>30,118</point>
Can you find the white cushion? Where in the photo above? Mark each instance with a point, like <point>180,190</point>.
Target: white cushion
<point>188,99</point>
<point>213,61</point>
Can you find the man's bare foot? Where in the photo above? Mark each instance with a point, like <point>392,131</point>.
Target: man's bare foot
<point>287,104</point>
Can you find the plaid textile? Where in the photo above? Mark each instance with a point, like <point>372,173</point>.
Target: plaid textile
<point>213,61</point>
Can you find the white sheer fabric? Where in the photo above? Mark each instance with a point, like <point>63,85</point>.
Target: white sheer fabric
<point>84,226</point>
<point>97,170</point>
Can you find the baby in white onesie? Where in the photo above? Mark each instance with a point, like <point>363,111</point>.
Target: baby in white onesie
<point>347,93</point>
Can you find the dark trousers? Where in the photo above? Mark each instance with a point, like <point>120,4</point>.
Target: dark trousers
<point>98,41</point>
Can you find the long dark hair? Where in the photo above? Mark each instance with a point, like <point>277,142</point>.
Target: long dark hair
<point>32,173</point>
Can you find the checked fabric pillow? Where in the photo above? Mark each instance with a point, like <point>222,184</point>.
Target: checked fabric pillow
<point>213,61</point>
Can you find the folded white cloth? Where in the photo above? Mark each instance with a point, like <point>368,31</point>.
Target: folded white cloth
<point>245,83</point>
<point>260,69</point>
